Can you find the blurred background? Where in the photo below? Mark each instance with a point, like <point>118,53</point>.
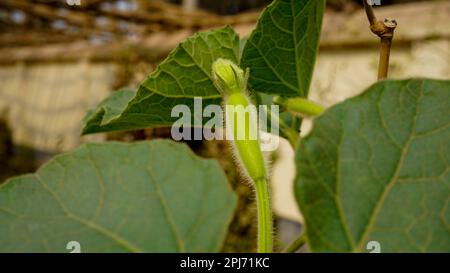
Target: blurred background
<point>59,58</point>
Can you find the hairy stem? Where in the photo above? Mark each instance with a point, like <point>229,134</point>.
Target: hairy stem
<point>384,30</point>
<point>265,238</point>
<point>297,244</point>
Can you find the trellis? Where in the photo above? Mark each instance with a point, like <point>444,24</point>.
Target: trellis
<point>35,22</point>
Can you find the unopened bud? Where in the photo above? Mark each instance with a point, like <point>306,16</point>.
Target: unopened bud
<point>303,107</point>
<point>228,77</point>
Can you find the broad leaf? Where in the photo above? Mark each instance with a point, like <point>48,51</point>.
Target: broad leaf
<point>281,51</point>
<point>111,107</point>
<point>143,197</point>
<point>376,168</point>
<point>183,75</point>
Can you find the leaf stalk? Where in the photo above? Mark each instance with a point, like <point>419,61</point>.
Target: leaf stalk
<point>296,244</point>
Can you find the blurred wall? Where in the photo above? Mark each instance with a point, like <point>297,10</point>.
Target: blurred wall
<point>45,103</point>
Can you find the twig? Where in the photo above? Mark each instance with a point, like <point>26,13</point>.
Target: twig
<point>297,244</point>
<point>370,14</point>
<point>384,30</point>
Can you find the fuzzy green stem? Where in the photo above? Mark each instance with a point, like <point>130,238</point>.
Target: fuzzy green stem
<point>297,244</point>
<point>265,238</point>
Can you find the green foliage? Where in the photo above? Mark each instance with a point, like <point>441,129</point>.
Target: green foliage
<point>376,167</point>
<point>99,119</point>
<point>143,197</point>
<point>183,75</point>
<point>281,61</point>
<point>281,51</point>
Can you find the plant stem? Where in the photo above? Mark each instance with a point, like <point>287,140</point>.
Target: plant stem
<point>291,133</point>
<point>292,137</point>
<point>265,240</point>
<point>385,52</point>
<point>370,14</point>
<point>384,30</point>
<point>297,244</point>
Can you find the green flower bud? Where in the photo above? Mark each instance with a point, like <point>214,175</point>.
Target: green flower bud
<point>228,77</point>
<point>303,107</point>
<point>242,124</point>
<point>231,81</point>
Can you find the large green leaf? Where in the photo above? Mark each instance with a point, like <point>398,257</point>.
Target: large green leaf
<point>183,75</point>
<point>99,119</point>
<point>376,168</point>
<point>143,197</point>
<point>281,51</point>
